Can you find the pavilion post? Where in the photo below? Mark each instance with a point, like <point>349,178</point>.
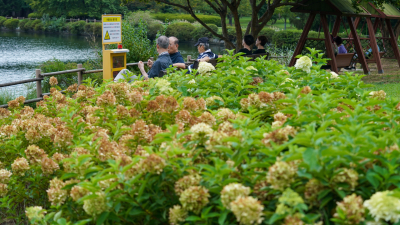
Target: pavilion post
<point>357,45</point>
<point>393,41</point>
<point>376,24</point>
<point>336,27</point>
<point>328,43</point>
<point>303,38</point>
<point>374,45</point>
<point>356,22</point>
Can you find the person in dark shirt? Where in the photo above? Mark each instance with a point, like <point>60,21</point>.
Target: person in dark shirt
<point>174,54</point>
<point>248,40</point>
<point>260,43</point>
<point>163,61</point>
<point>205,53</point>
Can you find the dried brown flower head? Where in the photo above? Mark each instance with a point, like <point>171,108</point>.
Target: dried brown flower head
<point>53,81</point>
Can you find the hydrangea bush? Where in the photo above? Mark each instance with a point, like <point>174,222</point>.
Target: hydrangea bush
<point>249,142</point>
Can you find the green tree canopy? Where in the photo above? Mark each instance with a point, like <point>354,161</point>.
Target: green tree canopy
<point>77,8</point>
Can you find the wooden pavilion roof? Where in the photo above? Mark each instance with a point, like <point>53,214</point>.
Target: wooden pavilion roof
<point>346,8</point>
<point>331,7</point>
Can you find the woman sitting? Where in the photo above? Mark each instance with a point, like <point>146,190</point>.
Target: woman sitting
<point>248,40</point>
<point>260,43</point>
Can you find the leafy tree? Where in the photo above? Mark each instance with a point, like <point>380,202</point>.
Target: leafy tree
<point>75,8</point>
<point>284,13</point>
<point>7,7</point>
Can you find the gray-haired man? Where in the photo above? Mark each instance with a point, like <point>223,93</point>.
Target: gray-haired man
<point>163,61</point>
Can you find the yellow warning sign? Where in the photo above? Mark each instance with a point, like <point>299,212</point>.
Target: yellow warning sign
<point>111,29</point>
<point>107,37</point>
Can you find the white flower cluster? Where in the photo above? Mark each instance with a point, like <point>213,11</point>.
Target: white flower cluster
<point>201,130</point>
<point>382,205</point>
<point>205,67</point>
<point>304,63</point>
<point>192,81</point>
<point>231,192</point>
<point>164,86</point>
<point>95,206</point>
<point>177,215</point>
<point>35,213</point>
<point>334,75</point>
<point>247,210</point>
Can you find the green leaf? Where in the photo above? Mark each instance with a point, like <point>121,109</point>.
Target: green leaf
<point>193,218</point>
<point>103,216</point>
<point>311,159</point>
<point>222,217</point>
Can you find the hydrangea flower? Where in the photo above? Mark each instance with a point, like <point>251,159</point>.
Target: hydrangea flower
<point>304,63</point>
<point>382,205</point>
<point>247,210</point>
<point>177,215</point>
<point>35,212</point>
<point>205,67</point>
<point>231,192</point>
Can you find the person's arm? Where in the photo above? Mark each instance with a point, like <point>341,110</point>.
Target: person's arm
<point>180,65</point>
<point>141,68</point>
<point>205,59</point>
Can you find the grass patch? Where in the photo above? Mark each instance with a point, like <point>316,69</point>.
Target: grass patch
<point>391,89</point>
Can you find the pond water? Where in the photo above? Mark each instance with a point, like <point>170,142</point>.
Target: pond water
<point>21,53</point>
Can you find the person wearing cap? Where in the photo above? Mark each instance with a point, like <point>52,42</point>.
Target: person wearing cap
<point>205,53</point>
<point>162,63</point>
<point>247,41</point>
<point>174,54</point>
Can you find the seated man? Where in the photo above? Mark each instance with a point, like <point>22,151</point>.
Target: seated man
<point>247,41</point>
<point>205,52</point>
<point>162,63</point>
<point>174,54</point>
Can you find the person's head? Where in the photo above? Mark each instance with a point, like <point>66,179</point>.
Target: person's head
<point>261,41</point>
<point>248,40</point>
<point>162,44</point>
<point>202,44</point>
<point>173,45</point>
<point>338,40</point>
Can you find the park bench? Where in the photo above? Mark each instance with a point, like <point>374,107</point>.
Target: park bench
<point>372,59</point>
<point>343,60</point>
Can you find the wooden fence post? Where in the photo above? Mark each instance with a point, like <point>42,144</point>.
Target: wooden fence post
<point>80,75</point>
<point>189,57</point>
<point>38,84</point>
<point>86,20</point>
<point>95,20</point>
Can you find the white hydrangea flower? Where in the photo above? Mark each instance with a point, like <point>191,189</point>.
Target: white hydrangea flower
<point>304,63</point>
<point>247,210</point>
<point>382,205</point>
<point>201,130</point>
<point>164,86</point>
<point>231,192</point>
<point>192,81</point>
<point>205,67</point>
<point>334,75</point>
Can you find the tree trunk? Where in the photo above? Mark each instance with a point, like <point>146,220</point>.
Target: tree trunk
<point>238,27</point>
<point>285,23</point>
<point>230,19</point>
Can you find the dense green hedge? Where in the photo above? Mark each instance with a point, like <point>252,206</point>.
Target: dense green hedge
<point>93,28</point>
<point>11,24</point>
<point>77,27</point>
<point>23,23</point>
<point>153,28</point>
<point>181,30</point>
<point>289,37</point>
<point>2,20</point>
<point>201,31</point>
<point>205,18</point>
<point>34,15</point>
<point>31,24</point>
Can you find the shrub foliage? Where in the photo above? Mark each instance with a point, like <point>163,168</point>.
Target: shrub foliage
<point>249,142</point>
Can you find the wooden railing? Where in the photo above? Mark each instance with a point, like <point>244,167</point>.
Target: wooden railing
<point>66,20</point>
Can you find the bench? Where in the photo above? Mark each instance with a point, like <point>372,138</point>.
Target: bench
<point>343,60</point>
<point>372,60</point>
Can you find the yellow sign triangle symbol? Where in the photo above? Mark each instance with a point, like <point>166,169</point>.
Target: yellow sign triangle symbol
<point>107,37</point>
